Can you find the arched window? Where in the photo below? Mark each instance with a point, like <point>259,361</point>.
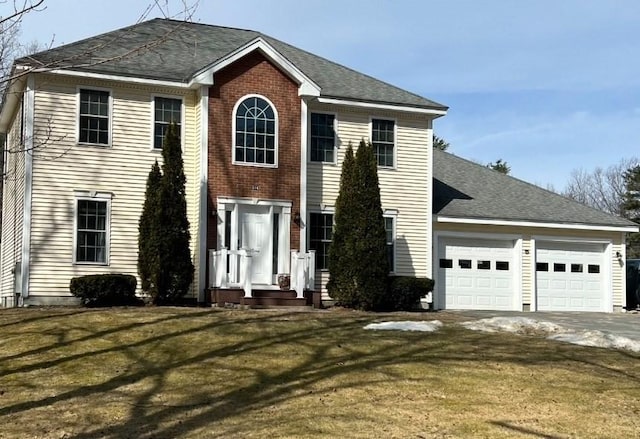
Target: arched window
<point>256,132</point>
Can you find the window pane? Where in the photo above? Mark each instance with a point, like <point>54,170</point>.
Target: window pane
<point>446,263</point>
<point>593,268</point>
<point>321,228</point>
<point>576,268</point>
<point>464,263</point>
<point>502,265</point>
<point>91,238</point>
<point>94,117</point>
<point>484,265</point>
<point>255,132</point>
<point>542,266</point>
<point>559,267</point>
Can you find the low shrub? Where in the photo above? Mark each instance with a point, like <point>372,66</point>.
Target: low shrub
<point>105,290</point>
<point>404,292</point>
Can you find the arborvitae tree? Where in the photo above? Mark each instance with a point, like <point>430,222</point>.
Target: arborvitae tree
<point>372,266</point>
<point>358,262</point>
<point>147,254</point>
<point>631,208</point>
<point>341,285</point>
<point>173,273</point>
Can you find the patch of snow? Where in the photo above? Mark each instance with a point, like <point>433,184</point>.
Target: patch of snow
<point>517,325</point>
<point>430,326</point>
<point>598,339</point>
<point>553,331</point>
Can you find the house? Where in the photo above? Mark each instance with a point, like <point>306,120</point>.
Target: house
<point>264,127</point>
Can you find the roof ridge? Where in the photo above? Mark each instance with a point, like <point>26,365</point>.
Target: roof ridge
<point>436,104</point>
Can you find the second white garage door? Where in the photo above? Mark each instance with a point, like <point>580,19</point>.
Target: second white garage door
<point>476,274</point>
<point>570,276</point>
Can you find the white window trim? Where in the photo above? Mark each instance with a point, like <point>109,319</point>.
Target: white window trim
<point>395,139</point>
<point>323,210</point>
<point>335,138</point>
<point>153,118</point>
<point>393,214</point>
<point>233,133</point>
<point>92,196</point>
<point>109,144</point>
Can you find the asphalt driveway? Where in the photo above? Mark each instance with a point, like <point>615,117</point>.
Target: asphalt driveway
<point>623,324</point>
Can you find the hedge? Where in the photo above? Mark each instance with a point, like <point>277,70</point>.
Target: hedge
<point>404,292</point>
<point>105,290</point>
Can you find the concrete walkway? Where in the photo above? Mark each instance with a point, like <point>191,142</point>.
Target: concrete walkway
<point>623,324</point>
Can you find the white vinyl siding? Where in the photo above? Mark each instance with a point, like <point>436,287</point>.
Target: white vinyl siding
<point>62,168</point>
<point>407,181</point>
<point>13,209</point>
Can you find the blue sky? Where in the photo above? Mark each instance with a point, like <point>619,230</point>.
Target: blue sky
<point>547,85</point>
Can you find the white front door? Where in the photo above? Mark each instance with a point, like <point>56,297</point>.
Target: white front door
<point>255,237</point>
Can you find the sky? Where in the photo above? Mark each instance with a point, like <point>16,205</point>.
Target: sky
<point>548,86</point>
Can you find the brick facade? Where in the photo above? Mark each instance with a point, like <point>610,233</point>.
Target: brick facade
<point>253,74</point>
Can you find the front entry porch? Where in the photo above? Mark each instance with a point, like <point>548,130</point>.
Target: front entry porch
<point>232,279</point>
<point>254,264</point>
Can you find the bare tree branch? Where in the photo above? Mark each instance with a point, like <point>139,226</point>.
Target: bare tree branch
<point>602,189</point>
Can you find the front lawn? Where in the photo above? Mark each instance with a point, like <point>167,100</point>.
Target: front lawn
<point>181,372</point>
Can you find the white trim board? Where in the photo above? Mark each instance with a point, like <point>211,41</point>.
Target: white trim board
<point>377,106</point>
<point>492,222</point>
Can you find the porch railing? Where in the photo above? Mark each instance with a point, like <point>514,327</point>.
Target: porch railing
<point>233,269</point>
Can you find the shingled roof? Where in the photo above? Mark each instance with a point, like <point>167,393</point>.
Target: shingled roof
<point>171,50</point>
<point>463,189</point>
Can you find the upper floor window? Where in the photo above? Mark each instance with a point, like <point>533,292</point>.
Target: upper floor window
<point>323,137</point>
<point>165,112</point>
<point>92,218</point>
<point>255,135</point>
<point>94,117</point>
<point>383,141</point>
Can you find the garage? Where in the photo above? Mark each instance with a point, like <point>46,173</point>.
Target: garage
<point>570,276</point>
<point>477,274</point>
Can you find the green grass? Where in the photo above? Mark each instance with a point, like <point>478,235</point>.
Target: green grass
<point>180,372</point>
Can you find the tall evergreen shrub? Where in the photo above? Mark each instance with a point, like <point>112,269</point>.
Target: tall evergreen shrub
<point>358,262</point>
<point>165,264</point>
<point>148,228</point>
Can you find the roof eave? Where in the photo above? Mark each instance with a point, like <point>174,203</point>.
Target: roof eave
<point>11,101</point>
<point>531,223</point>
<point>435,112</point>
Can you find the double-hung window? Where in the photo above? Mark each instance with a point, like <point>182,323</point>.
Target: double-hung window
<point>94,117</point>
<point>321,230</point>
<point>165,112</point>
<point>389,227</point>
<point>255,137</point>
<point>92,221</point>
<point>323,137</point>
<point>383,141</point>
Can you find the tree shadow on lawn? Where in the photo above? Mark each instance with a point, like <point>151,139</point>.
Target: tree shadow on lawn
<point>332,348</point>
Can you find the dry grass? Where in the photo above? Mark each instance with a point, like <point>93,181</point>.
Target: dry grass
<point>171,372</point>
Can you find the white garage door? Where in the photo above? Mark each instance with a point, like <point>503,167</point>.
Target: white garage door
<point>570,276</point>
<point>476,274</point>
